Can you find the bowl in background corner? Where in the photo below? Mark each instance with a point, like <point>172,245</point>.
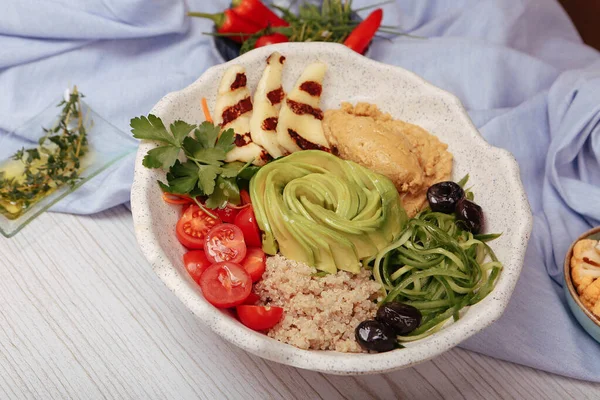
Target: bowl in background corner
<point>585,317</point>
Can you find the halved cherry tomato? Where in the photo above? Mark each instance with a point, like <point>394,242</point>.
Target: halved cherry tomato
<point>225,284</point>
<point>225,242</point>
<point>185,207</point>
<point>255,263</point>
<point>196,263</point>
<point>193,226</point>
<point>226,214</point>
<point>245,197</point>
<point>252,299</point>
<point>259,318</point>
<point>247,223</point>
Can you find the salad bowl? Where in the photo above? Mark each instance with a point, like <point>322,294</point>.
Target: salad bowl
<point>494,177</point>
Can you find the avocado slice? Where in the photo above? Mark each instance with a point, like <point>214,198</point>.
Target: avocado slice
<point>329,213</point>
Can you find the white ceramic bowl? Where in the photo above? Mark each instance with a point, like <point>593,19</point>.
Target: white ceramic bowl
<point>494,176</point>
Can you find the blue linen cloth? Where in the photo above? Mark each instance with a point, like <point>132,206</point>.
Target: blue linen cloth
<point>519,67</point>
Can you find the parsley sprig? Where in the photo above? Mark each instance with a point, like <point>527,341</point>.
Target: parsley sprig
<point>204,172</point>
<point>55,162</point>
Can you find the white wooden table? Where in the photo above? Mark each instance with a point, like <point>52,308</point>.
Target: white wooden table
<point>82,315</point>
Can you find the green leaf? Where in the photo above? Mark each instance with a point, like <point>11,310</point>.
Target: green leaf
<point>195,151</point>
<point>225,141</point>
<point>207,134</point>
<point>151,128</point>
<point>463,181</point>
<point>248,172</point>
<point>180,130</point>
<point>161,157</point>
<point>181,185</point>
<point>209,156</point>
<point>196,192</point>
<point>182,178</point>
<point>58,141</point>
<point>231,170</point>
<point>206,178</point>
<point>239,169</point>
<point>32,154</point>
<point>19,154</point>
<point>226,190</point>
<point>165,187</point>
<point>191,146</point>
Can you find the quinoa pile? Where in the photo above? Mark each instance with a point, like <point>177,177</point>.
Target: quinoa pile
<point>320,313</point>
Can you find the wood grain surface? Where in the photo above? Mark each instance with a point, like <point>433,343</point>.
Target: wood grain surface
<point>83,316</point>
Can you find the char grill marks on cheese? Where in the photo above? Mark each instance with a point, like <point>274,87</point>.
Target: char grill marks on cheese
<point>233,110</point>
<point>276,96</point>
<point>305,144</point>
<point>299,125</point>
<point>301,109</point>
<point>268,98</point>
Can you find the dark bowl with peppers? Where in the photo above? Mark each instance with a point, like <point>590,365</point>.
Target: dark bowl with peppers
<point>227,49</point>
<point>250,24</point>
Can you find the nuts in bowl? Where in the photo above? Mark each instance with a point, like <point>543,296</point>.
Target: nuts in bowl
<point>582,281</point>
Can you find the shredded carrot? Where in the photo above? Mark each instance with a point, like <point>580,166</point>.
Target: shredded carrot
<point>206,110</point>
<point>176,199</point>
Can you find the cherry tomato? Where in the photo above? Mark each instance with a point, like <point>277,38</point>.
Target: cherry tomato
<point>247,223</point>
<point>185,207</point>
<point>255,263</point>
<point>259,318</point>
<point>225,242</point>
<point>226,214</point>
<point>245,197</point>
<point>225,284</point>
<point>196,263</point>
<point>193,226</point>
<point>273,38</point>
<point>251,299</point>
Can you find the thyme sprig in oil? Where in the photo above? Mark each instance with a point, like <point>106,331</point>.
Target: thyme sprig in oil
<point>54,163</point>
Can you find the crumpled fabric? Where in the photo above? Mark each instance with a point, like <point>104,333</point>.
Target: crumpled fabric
<point>520,69</point>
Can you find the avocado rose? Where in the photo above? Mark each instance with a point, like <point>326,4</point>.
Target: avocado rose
<point>329,213</point>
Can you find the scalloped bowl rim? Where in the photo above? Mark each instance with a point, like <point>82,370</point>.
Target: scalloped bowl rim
<point>329,361</point>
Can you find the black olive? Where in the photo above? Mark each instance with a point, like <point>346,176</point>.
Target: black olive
<point>402,318</point>
<point>375,336</point>
<point>470,216</point>
<point>443,196</point>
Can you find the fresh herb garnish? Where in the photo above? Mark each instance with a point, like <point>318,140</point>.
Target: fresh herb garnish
<point>205,172</point>
<point>55,162</point>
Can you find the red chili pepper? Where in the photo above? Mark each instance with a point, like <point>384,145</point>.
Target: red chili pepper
<point>271,39</point>
<point>361,36</point>
<point>257,13</point>
<point>229,22</point>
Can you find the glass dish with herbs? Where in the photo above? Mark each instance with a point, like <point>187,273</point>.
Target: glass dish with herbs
<point>52,155</point>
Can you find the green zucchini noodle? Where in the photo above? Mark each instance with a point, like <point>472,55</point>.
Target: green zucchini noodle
<point>436,267</point>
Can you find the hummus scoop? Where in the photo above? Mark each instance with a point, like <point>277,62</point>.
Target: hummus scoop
<point>412,158</point>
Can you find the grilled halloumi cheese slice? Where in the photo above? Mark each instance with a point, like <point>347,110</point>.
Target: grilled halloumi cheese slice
<point>299,126</point>
<point>233,110</point>
<point>267,103</point>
